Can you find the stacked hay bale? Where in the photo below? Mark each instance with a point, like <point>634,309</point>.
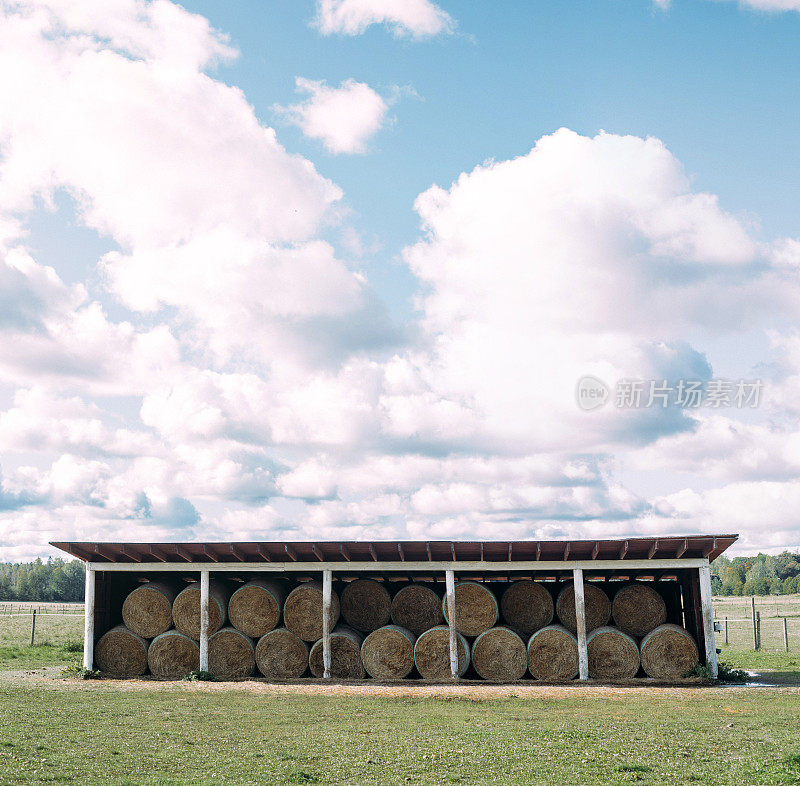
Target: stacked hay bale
<point>231,654</point>
<point>476,608</point>
<point>186,609</point>
<point>432,654</point>
<point>613,655</point>
<point>346,661</point>
<point>553,654</point>
<point>302,611</point>
<point>527,607</point>
<point>596,604</point>
<point>417,608</point>
<point>668,652</point>
<point>121,653</point>
<point>255,608</point>
<point>147,611</point>
<point>172,654</point>
<point>366,605</point>
<point>388,653</point>
<point>638,608</point>
<point>281,655</point>
<point>499,655</point>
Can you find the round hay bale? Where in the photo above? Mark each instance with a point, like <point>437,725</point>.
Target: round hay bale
<point>498,654</point>
<point>147,611</point>
<point>526,606</point>
<point>302,611</point>
<point>613,655</point>
<point>417,608</point>
<point>121,653</point>
<point>432,654</point>
<point>346,661</point>
<point>255,608</point>
<point>231,654</point>
<point>280,655</point>
<point>553,654</point>
<point>388,653</point>
<point>637,609</point>
<point>596,604</point>
<point>171,655</point>
<point>476,608</point>
<point>668,652</point>
<point>186,609</point>
<point>366,605</point>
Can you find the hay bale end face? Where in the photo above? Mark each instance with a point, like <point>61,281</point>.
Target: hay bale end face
<point>668,652</point>
<point>186,609</point>
<point>302,611</point>
<point>553,654</point>
<point>499,655</point>
<point>280,655</point>
<point>171,655</point>
<point>527,606</point>
<point>388,653</point>
<point>613,655</point>
<point>366,605</point>
<point>346,663</point>
<point>596,603</point>
<point>417,608</point>
<point>432,654</point>
<point>121,653</point>
<point>476,608</point>
<point>638,608</point>
<point>147,611</point>
<point>255,608</point>
<point>231,654</point>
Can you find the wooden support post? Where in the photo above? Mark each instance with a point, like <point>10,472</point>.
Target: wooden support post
<point>753,613</point>
<point>758,630</point>
<point>450,584</point>
<point>327,581</point>
<point>580,617</point>
<point>33,625</point>
<point>708,620</point>
<point>204,618</point>
<point>726,631</point>
<point>785,636</point>
<point>88,627</point>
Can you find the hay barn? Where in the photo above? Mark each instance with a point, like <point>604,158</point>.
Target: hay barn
<point>651,584</point>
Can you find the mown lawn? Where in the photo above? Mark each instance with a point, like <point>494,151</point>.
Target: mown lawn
<point>86,732</point>
<point>762,659</point>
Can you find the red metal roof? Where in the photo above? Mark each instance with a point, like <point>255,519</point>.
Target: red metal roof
<point>670,547</point>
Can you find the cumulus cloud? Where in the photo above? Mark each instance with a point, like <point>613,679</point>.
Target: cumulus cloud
<point>774,6</point>
<point>417,18</point>
<point>343,118</point>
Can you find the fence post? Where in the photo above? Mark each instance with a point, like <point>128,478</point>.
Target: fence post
<point>33,625</point>
<point>753,613</point>
<point>758,629</point>
<point>785,636</point>
<point>726,631</point>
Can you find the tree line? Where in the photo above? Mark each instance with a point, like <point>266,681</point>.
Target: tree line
<point>54,580</point>
<point>763,574</point>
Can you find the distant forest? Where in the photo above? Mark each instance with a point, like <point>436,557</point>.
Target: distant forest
<point>53,580</point>
<point>63,581</point>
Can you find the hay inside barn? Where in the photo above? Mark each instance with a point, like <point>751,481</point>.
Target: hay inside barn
<point>476,608</point>
<point>596,603</point>
<point>121,653</point>
<point>302,611</point>
<point>432,654</point>
<point>613,655</point>
<point>499,655</point>
<point>346,663</point>
<point>527,606</point>
<point>638,608</point>
<point>280,655</point>
<point>231,655</point>
<point>668,652</point>
<point>366,605</point>
<point>171,655</point>
<point>388,653</point>
<point>553,654</point>
<point>147,611</point>
<point>255,608</point>
<point>186,609</point>
<point>417,608</point>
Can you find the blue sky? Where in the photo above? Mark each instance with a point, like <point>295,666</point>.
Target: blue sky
<point>242,305</point>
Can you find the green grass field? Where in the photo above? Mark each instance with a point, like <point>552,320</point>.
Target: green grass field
<point>168,735</point>
<point>57,640</point>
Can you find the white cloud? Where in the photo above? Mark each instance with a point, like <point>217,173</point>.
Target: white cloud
<point>758,5</point>
<point>417,18</point>
<point>343,118</point>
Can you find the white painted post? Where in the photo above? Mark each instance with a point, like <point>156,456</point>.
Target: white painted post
<point>580,617</point>
<point>450,585</point>
<point>327,581</point>
<point>88,614</point>
<point>708,620</point>
<point>204,618</point>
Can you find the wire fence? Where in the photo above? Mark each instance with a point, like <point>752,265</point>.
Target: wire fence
<point>14,608</point>
<point>770,623</point>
